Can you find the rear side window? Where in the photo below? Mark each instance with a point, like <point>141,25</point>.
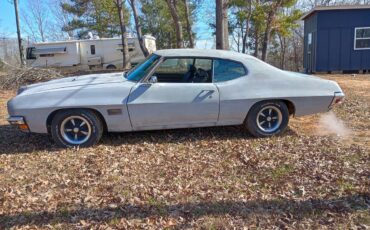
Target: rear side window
<point>225,70</point>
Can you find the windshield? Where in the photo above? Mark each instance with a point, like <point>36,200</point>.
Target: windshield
<point>141,70</point>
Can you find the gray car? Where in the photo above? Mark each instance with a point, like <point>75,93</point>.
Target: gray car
<point>171,89</point>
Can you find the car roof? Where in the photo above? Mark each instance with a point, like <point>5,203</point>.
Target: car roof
<point>211,53</point>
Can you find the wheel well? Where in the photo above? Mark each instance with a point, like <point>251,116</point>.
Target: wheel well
<point>289,104</point>
<point>51,116</point>
<point>291,107</point>
<point>111,66</point>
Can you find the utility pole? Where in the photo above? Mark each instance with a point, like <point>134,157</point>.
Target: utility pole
<point>18,32</point>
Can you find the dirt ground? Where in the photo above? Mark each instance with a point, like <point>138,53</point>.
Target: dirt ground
<point>209,178</point>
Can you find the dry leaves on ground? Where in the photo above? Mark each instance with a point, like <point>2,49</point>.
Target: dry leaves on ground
<point>212,178</point>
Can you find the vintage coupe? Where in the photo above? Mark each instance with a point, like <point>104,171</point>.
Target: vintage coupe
<point>172,89</point>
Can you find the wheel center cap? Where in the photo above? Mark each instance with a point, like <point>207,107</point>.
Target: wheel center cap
<point>268,118</point>
<point>76,130</point>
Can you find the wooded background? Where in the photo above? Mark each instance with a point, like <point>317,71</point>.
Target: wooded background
<point>270,30</point>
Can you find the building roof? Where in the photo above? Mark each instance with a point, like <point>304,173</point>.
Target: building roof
<point>328,8</point>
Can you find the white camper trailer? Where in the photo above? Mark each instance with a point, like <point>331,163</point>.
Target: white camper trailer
<point>105,53</point>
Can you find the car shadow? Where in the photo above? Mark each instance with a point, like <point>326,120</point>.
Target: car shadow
<point>286,209</point>
<point>13,141</point>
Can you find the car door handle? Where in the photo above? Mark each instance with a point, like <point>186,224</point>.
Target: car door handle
<point>210,91</point>
<point>206,93</point>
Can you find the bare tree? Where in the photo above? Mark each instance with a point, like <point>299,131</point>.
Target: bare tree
<point>62,18</point>
<point>125,53</point>
<point>222,30</point>
<point>138,28</point>
<point>36,19</point>
<point>188,25</point>
<point>177,23</point>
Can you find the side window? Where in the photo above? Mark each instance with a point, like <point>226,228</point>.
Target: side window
<point>225,70</point>
<point>184,70</point>
<point>173,70</point>
<point>92,49</point>
<point>203,71</point>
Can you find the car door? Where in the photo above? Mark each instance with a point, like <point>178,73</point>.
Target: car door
<point>175,100</point>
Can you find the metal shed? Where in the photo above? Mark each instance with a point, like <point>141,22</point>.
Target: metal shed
<point>337,38</point>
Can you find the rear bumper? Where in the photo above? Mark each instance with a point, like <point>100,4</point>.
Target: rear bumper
<point>19,122</point>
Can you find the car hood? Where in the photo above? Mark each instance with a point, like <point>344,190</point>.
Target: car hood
<point>86,80</point>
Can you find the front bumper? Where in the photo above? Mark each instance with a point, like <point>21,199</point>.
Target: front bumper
<point>19,122</point>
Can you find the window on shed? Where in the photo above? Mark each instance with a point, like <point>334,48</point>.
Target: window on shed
<point>225,70</point>
<point>92,49</point>
<point>362,38</point>
<point>309,42</point>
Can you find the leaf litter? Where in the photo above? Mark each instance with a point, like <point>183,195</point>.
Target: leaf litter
<point>210,178</point>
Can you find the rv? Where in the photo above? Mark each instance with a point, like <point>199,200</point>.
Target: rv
<point>86,54</point>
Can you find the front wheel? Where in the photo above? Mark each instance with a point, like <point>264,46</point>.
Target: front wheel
<point>267,118</point>
<point>77,127</point>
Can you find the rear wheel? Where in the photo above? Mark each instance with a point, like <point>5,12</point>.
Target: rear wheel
<point>267,118</point>
<point>78,127</point>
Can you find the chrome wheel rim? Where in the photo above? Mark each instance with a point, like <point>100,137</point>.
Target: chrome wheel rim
<point>269,119</point>
<point>75,130</point>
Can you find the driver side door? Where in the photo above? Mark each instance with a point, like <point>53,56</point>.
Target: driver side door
<point>174,101</point>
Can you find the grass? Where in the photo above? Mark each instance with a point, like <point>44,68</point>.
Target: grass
<point>210,178</point>
<point>281,171</point>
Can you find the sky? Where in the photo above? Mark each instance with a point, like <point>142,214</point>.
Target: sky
<point>204,39</point>
<point>7,18</point>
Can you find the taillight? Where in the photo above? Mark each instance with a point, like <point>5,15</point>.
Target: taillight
<point>338,99</point>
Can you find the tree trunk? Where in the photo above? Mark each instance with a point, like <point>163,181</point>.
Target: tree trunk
<point>188,26</point>
<point>296,56</point>
<point>225,21</point>
<point>266,36</point>
<point>18,32</point>
<point>256,42</point>
<point>222,30</point>
<point>282,41</point>
<point>138,29</point>
<point>246,35</point>
<point>177,23</point>
<point>125,53</point>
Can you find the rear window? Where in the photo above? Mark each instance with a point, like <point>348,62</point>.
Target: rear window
<point>226,70</point>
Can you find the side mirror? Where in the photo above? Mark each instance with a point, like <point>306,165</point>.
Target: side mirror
<point>153,79</point>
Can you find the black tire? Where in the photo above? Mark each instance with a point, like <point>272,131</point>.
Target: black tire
<point>90,121</point>
<point>258,130</point>
<point>111,67</point>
